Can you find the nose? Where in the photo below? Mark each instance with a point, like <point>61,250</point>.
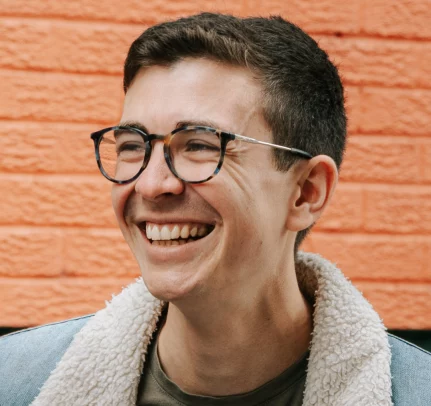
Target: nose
<point>157,180</point>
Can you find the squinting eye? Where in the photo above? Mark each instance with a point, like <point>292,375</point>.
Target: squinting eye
<point>193,146</point>
<point>133,147</point>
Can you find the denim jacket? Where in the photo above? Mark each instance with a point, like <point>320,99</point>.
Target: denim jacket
<point>98,359</point>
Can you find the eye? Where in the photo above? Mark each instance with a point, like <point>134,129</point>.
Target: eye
<point>199,145</point>
<point>130,146</point>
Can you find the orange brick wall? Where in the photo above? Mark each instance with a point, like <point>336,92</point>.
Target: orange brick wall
<point>61,254</point>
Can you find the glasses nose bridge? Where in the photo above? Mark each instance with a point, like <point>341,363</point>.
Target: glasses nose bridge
<point>157,137</point>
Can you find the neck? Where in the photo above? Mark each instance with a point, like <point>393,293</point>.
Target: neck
<point>220,348</point>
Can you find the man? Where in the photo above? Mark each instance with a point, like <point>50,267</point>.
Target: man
<point>227,153</point>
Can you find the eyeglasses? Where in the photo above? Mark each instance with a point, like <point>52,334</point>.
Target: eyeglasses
<point>194,154</point>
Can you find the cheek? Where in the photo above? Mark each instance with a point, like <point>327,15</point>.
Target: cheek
<point>238,209</point>
<point>119,196</point>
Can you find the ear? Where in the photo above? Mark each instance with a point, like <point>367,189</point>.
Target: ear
<point>314,188</point>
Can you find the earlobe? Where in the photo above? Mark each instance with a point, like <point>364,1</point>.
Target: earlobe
<point>314,189</point>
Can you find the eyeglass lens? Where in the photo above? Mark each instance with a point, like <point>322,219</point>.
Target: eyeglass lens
<point>194,153</point>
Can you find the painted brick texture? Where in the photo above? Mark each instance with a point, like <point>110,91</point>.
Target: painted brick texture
<point>60,79</point>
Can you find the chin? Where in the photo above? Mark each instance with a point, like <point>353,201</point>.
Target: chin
<point>170,286</point>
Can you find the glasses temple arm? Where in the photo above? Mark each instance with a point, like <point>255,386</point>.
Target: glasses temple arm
<point>268,144</point>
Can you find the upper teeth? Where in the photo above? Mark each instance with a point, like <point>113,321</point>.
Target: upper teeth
<point>157,232</point>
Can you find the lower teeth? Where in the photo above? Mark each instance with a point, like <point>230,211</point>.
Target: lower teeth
<point>172,242</point>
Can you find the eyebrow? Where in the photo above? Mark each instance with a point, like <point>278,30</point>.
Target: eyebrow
<point>204,123</point>
<point>182,123</point>
<point>134,124</point>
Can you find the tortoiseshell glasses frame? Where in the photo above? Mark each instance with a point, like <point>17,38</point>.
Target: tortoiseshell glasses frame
<point>223,137</point>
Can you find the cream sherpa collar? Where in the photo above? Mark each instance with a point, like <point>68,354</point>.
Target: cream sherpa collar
<point>349,358</point>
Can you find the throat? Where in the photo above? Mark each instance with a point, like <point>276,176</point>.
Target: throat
<point>233,360</point>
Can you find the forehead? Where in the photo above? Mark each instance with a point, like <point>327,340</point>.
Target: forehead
<point>193,89</point>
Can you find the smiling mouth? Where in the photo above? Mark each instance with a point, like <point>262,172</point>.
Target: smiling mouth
<point>175,233</point>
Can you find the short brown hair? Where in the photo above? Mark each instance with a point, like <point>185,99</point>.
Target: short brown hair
<point>303,98</point>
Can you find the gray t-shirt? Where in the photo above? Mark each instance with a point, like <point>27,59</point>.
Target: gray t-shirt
<point>156,389</point>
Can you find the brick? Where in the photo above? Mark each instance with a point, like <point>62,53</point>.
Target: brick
<point>47,148</point>
<point>65,46</point>
<point>353,108</point>
<point>376,257</point>
<point>425,161</point>
<point>380,62</point>
<point>330,16</point>
<point>47,96</point>
<point>96,253</point>
<point>29,302</point>
<point>395,111</point>
<point>345,211</point>
<point>401,305</point>
<point>134,11</point>
<point>401,18</point>
<point>30,252</point>
<point>427,256</point>
<point>313,15</point>
<point>56,201</point>
<point>400,209</point>
<point>382,159</point>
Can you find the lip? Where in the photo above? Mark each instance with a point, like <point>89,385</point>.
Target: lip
<point>177,253</point>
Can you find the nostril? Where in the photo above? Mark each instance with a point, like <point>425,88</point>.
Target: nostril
<point>158,181</point>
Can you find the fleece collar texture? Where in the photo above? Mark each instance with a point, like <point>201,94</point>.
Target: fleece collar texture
<point>349,360</point>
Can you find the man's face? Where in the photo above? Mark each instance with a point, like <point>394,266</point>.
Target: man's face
<point>244,207</point>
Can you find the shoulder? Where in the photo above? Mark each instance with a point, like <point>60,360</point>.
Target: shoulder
<point>27,358</point>
<point>411,373</point>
